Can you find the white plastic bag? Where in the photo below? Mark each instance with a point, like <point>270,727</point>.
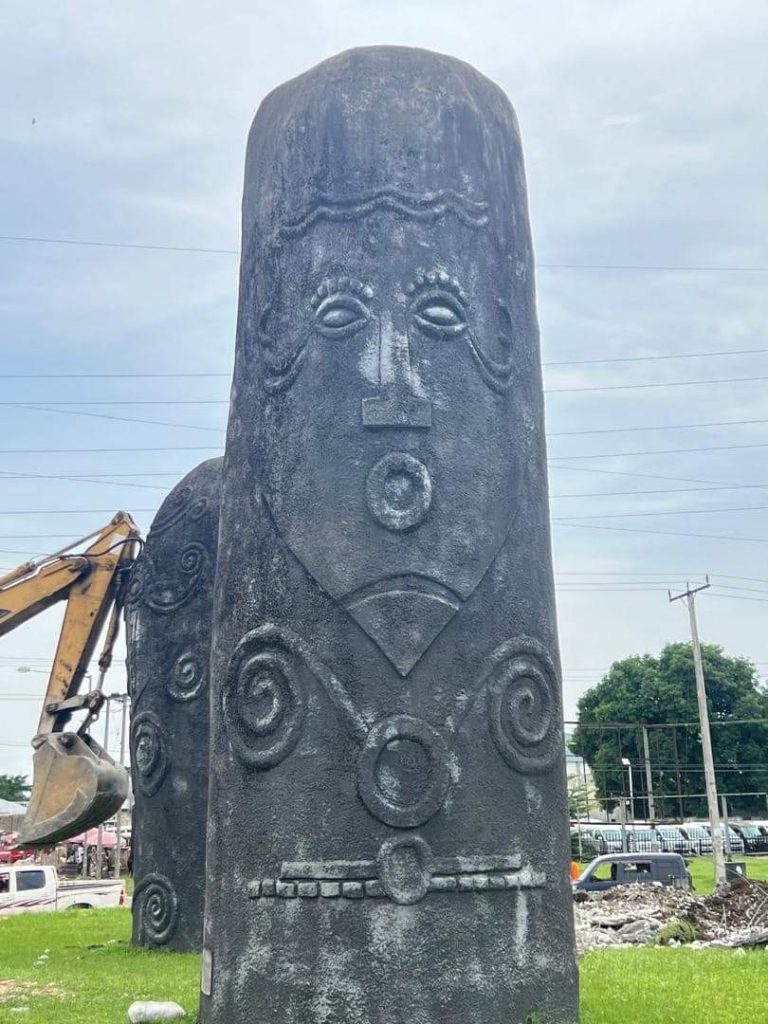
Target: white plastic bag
<point>140,1013</point>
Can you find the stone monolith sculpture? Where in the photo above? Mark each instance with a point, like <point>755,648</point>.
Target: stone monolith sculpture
<point>169,607</point>
<point>388,832</point>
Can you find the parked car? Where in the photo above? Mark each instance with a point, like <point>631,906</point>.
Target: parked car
<point>10,853</point>
<point>643,840</point>
<point>584,846</point>
<point>672,839</point>
<point>754,839</point>
<point>608,838</point>
<point>36,887</point>
<point>734,840</point>
<point>631,869</point>
<point>699,839</point>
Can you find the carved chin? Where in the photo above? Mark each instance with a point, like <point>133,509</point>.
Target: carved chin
<point>403,615</point>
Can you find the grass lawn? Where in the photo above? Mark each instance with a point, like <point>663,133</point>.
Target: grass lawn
<point>92,975</point>
<point>703,871</point>
<point>674,986</point>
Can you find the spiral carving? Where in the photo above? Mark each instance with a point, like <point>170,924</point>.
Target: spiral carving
<point>150,752</point>
<point>198,507</point>
<point>179,504</point>
<point>188,678</point>
<point>263,701</point>
<point>136,581</point>
<point>157,908</point>
<point>164,594</point>
<point>523,711</point>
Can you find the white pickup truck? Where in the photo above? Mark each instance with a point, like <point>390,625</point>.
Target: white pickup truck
<point>36,887</point>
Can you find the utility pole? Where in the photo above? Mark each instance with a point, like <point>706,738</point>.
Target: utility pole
<point>689,596</point>
<point>648,775</point>
<point>119,829</point>
<point>100,832</point>
<point>628,765</point>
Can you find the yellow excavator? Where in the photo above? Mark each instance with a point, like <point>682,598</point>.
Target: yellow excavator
<point>75,783</point>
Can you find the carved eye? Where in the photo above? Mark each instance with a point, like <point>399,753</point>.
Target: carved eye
<point>441,315</point>
<point>341,315</point>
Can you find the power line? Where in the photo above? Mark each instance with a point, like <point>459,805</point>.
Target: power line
<point>659,533</point>
<point>657,490</point>
<point>177,474</point>
<point>79,479</point>
<point>121,419</point>
<point>72,451</point>
<point>671,426</point>
<point>552,458</point>
<point>644,476</point>
<point>666,575</point>
<point>118,376</point>
<point>662,451</point>
<point>651,267</point>
<point>547,391</point>
<point>657,384</point>
<point>674,512</point>
<point>236,252</point>
<point>617,590</point>
<point>119,245</point>
<point>120,479</point>
<point>111,402</point>
<point>66,511</point>
<point>211,374</point>
<point>7,475</point>
<point>641,359</point>
<point>751,590</point>
<point>97,478</point>
<point>218,430</point>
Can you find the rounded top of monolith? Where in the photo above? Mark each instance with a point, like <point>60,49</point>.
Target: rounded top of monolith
<point>379,119</point>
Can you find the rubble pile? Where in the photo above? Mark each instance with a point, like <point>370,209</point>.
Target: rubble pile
<point>735,915</point>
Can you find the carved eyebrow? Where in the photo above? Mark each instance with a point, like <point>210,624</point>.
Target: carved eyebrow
<point>341,286</point>
<point>436,279</point>
<point>425,206</point>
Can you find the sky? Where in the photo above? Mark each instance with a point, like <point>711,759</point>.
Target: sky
<point>645,132</point>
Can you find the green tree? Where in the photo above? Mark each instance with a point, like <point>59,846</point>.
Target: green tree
<point>662,690</point>
<point>582,800</point>
<point>14,787</point>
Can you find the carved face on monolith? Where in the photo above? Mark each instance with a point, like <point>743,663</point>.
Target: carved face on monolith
<point>389,325</point>
<point>387,835</point>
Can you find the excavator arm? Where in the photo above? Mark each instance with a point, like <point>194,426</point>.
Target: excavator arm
<point>75,783</point>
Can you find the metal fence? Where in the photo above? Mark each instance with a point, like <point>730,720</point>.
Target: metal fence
<point>641,787</point>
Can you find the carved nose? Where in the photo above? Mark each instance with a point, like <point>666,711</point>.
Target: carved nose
<point>397,404</point>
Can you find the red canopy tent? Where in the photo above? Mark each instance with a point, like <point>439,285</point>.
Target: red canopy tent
<point>91,838</point>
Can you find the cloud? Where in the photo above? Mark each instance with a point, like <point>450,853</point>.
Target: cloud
<point>645,137</point>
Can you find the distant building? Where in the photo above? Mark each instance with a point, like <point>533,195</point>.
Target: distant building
<point>576,767</point>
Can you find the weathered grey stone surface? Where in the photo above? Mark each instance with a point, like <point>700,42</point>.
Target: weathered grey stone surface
<point>168,611</point>
<point>388,828</point>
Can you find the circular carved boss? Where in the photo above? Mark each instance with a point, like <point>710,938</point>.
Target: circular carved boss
<point>263,701</point>
<point>398,491</point>
<point>402,774</point>
<point>405,868</point>
<point>188,678</point>
<point>523,711</point>
<point>150,752</point>
<point>157,908</point>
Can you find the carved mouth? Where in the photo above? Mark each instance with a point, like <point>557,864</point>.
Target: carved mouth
<point>403,615</point>
<point>398,492</point>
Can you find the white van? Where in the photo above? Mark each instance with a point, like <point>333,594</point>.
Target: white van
<point>33,887</point>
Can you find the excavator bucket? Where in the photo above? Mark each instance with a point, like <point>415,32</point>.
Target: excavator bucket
<point>75,785</point>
